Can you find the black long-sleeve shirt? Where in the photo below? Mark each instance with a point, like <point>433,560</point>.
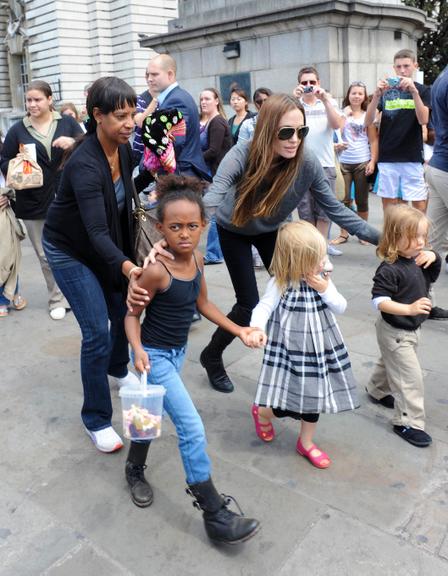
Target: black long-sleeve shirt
<point>404,282</point>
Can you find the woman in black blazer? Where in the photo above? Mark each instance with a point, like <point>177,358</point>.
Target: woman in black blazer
<point>88,242</point>
<point>46,134</point>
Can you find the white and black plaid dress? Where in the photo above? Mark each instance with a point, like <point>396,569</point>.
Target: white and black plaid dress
<point>306,367</point>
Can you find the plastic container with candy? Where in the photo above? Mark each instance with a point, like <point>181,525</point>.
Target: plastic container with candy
<point>142,410</point>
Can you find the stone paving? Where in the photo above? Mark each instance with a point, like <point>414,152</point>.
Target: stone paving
<point>380,509</point>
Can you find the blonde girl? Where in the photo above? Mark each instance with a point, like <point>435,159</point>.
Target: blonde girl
<point>306,369</point>
<point>400,292</point>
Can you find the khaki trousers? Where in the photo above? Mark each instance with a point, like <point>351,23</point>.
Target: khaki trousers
<point>55,297</point>
<point>398,372</point>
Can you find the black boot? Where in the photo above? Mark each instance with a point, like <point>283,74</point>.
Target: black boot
<point>211,356</point>
<point>141,491</point>
<point>217,375</point>
<point>221,524</point>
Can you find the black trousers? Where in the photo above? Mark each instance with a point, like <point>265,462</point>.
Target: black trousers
<point>237,251</point>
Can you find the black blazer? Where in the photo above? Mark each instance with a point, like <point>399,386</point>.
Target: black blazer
<point>84,222</point>
<point>32,204</point>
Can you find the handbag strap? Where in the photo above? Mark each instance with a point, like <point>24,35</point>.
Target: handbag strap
<point>137,202</point>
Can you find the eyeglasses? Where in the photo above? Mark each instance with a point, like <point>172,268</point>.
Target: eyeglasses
<point>308,82</point>
<point>288,132</point>
<point>358,83</point>
<point>260,102</point>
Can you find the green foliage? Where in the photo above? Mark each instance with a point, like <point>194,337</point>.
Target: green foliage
<point>433,46</point>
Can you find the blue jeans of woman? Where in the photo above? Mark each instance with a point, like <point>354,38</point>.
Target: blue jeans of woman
<point>165,371</point>
<point>213,251</point>
<point>104,349</point>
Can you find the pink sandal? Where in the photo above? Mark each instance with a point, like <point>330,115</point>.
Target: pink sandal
<point>266,431</point>
<point>315,460</point>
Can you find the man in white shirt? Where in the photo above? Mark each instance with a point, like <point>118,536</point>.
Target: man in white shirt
<point>323,117</point>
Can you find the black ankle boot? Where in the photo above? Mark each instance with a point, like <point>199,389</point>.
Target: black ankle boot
<point>221,524</point>
<point>141,491</point>
<point>219,380</point>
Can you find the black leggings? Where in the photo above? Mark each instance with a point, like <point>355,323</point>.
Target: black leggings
<point>279,413</point>
<point>237,252</point>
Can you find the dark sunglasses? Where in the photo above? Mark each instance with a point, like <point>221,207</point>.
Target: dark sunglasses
<point>308,82</point>
<point>260,102</point>
<point>286,132</point>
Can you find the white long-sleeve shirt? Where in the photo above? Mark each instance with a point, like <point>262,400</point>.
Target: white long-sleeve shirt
<point>271,298</point>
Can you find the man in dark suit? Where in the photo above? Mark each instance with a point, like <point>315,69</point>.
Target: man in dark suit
<point>162,84</point>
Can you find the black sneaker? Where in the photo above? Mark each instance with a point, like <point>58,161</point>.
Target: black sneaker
<point>438,313</point>
<point>413,436</point>
<point>386,401</point>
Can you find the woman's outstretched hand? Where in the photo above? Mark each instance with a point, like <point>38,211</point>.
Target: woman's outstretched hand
<point>158,248</point>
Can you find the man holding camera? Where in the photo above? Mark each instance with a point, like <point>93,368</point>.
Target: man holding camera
<point>404,107</point>
<point>323,117</point>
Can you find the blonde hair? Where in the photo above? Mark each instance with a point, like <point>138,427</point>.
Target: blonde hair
<point>263,169</point>
<point>299,250</point>
<point>400,221</point>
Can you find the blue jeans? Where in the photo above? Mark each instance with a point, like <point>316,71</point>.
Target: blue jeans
<point>3,300</point>
<point>165,371</point>
<point>104,350</point>
<point>213,252</point>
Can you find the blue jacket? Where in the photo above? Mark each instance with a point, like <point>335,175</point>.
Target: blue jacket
<point>187,148</point>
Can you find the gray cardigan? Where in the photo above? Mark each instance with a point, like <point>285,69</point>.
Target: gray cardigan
<point>221,194</point>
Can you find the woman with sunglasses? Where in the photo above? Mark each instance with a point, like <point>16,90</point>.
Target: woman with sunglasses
<point>256,187</point>
<point>359,153</point>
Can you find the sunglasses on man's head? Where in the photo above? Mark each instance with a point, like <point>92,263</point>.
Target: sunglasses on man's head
<point>287,132</point>
<point>308,82</point>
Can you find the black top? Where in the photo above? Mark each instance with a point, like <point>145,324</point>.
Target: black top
<point>84,222</point>
<point>401,137</point>
<point>169,314</point>
<point>249,114</point>
<point>219,142</point>
<point>404,282</point>
<point>32,203</point>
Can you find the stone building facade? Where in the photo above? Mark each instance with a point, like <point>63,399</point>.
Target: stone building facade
<point>263,43</point>
<point>70,44</point>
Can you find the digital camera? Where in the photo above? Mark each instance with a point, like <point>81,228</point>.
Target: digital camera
<point>307,89</point>
<point>393,81</point>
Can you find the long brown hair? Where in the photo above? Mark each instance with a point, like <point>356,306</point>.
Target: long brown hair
<point>263,168</point>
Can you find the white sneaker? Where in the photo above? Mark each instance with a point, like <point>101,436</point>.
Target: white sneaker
<point>130,380</point>
<point>57,313</point>
<point>332,251</point>
<point>106,440</point>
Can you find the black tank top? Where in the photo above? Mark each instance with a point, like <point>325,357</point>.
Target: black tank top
<point>168,317</point>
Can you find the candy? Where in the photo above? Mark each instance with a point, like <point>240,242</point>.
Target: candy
<point>139,423</point>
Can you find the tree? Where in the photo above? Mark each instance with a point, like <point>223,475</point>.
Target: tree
<point>433,45</point>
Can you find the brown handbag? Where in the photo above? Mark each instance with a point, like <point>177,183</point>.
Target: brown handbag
<point>24,172</point>
<point>145,230</point>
